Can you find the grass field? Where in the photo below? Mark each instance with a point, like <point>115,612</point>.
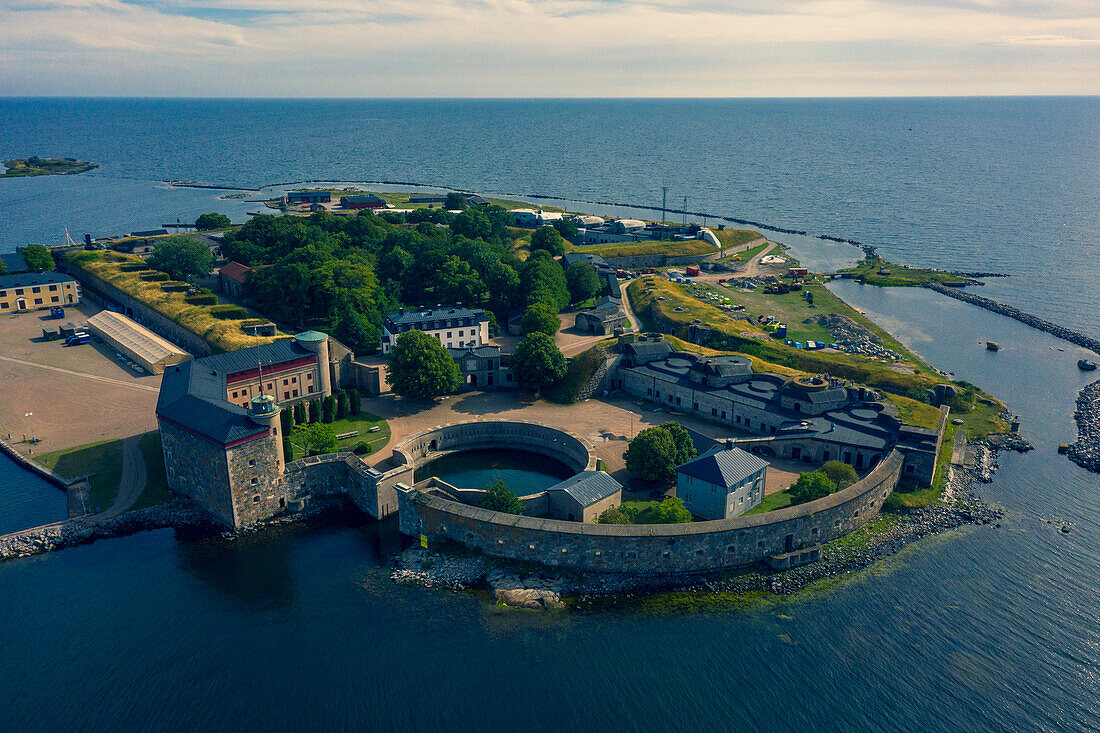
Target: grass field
<point>362,422</point>
<point>221,334</point>
<point>102,462</point>
<point>670,247</point>
<point>778,500</point>
<point>735,237</point>
<point>156,481</point>
<point>748,254</point>
<point>870,272</point>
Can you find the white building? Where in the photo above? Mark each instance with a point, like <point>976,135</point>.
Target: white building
<point>455,327</point>
<point>533,218</point>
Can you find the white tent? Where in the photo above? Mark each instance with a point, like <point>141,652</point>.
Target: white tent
<point>137,342</point>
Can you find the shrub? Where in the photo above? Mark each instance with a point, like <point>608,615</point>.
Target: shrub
<point>175,286</point>
<point>229,312</point>
<point>353,401</point>
<point>361,448</point>
<point>286,421</point>
<point>341,405</point>
<point>155,276</point>
<point>314,411</point>
<point>202,299</point>
<point>840,474</point>
<point>134,267</point>
<point>614,515</point>
<point>499,498</point>
<point>288,449</point>
<point>811,486</point>
<point>328,409</point>
<point>669,511</point>
<point>299,413</point>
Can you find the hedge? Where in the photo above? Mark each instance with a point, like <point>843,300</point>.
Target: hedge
<point>155,276</point>
<point>227,312</point>
<point>202,299</point>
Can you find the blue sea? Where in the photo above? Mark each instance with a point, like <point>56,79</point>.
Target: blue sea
<point>988,628</point>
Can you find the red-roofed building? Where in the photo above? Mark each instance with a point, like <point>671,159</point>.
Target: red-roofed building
<point>231,278</point>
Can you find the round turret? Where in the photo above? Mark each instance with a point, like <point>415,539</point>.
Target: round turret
<point>317,342</point>
<point>263,410</point>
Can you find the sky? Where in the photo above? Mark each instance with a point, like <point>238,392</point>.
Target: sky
<point>548,48</point>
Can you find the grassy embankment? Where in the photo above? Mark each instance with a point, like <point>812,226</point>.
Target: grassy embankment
<point>102,463</point>
<point>669,247</point>
<point>886,274</point>
<point>35,166</point>
<point>747,254</point>
<point>223,334</point>
<point>735,237</point>
<point>566,390</point>
<point>362,422</point>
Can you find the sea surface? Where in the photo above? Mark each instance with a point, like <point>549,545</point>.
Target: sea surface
<point>987,628</point>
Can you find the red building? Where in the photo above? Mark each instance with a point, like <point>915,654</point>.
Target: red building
<point>364,201</point>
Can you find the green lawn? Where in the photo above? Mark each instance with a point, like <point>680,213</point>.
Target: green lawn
<point>102,461</point>
<point>747,254</point>
<point>872,273</point>
<point>931,495</point>
<point>778,500</point>
<point>735,237</point>
<point>670,247</point>
<point>156,482</point>
<point>862,536</point>
<point>361,422</point>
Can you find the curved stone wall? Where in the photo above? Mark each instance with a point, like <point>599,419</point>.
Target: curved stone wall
<point>670,548</point>
<point>561,445</point>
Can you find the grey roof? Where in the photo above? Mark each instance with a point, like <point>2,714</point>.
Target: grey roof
<point>726,467</point>
<point>263,355</point>
<point>589,487</point>
<point>413,318</point>
<point>604,313</point>
<point>484,352</point>
<point>647,348</point>
<point>190,398</point>
<point>584,257</point>
<point>27,279</point>
<point>361,198</point>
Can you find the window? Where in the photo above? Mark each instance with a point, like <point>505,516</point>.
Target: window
<point>448,334</point>
<point>36,290</point>
<point>234,394</point>
<point>294,380</point>
<point>310,390</point>
<point>19,291</point>
<point>38,301</point>
<point>286,382</point>
<point>53,288</point>
<point>294,394</point>
<point>55,299</point>
<point>256,499</point>
<point>714,412</point>
<point>309,376</point>
<point>254,481</point>
<point>3,305</point>
<point>252,462</point>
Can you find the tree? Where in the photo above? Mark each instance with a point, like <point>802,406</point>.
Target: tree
<point>316,438</point>
<point>614,515</point>
<point>473,224</point>
<point>566,227</point>
<point>300,416</point>
<point>537,361</point>
<point>540,319</point>
<point>353,401</point>
<point>419,366</point>
<point>685,446</point>
<point>314,411</point>
<point>355,331</point>
<point>288,448</point>
<point>341,405</point>
<point>652,455</point>
<point>499,498</point>
<point>181,257</point>
<point>328,409</point>
<point>670,511</point>
<point>213,220</point>
<point>840,473</point>
<point>810,486</point>
<point>582,280</point>
<point>286,421</point>
<point>543,281</point>
<point>455,202</point>
<point>38,258</point>
<point>549,239</point>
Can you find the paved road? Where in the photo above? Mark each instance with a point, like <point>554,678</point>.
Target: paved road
<point>82,375</point>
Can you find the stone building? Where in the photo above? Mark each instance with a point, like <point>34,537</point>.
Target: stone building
<point>606,318</point>
<point>583,497</point>
<point>455,327</point>
<point>482,367</point>
<point>219,423</point>
<point>722,483</point>
<point>812,419</point>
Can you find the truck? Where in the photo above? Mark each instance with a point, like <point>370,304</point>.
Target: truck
<point>692,271</point>
<point>80,337</point>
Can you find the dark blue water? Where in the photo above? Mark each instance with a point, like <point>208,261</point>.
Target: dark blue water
<point>984,629</point>
<point>522,472</point>
<point>27,500</point>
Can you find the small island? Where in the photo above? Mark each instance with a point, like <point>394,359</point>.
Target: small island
<point>35,166</point>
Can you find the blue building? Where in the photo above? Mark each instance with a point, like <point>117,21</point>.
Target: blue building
<point>725,482</point>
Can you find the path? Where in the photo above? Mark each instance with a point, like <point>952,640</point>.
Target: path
<point>82,375</point>
<point>131,482</point>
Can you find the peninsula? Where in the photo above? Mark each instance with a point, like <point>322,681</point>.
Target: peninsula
<point>666,399</point>
<point>35,166</point>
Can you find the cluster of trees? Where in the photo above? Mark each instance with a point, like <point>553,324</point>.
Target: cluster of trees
<point>346,273</point>
<point>182,257</point>
<point>499,498</point>
<point>582,281</point>
<point>545,293</point>
<point>213,220</point>
<point>669,511</point>
<point>419,366</point>
<point>831,477</point>
<point>308,423</point>
<point>654,453</point>
<point>38,258</point>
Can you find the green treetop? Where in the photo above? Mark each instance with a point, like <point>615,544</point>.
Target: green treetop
<point>181,257</point>
<point>537,361</point>
<point>419,366</point>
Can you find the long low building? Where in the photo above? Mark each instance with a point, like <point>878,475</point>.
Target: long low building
<point>152,352</point>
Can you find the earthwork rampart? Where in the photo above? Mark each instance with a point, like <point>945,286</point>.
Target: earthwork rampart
<point>644,549</point>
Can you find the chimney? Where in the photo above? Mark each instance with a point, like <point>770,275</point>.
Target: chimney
<point>729,443</point>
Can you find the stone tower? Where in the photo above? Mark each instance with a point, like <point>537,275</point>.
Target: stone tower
<point>264,411</point>
<point>317,342</point>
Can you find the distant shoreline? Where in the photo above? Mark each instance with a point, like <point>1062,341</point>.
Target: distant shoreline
<point>35,166</point>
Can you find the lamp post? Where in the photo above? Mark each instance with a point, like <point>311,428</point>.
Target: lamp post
<point>30,415</point>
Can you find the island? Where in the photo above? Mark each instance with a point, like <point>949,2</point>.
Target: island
<point>668,401</point>
<point>35,166</point>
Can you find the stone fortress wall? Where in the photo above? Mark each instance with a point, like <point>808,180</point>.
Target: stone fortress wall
<point>643,549</point>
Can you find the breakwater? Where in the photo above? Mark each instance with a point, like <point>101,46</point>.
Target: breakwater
<point>1066,334</point>
<point>34,467</point>
<point>1085,451</point>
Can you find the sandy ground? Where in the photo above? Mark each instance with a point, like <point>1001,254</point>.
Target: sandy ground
<point>606,423</point>
<point>78,394</point>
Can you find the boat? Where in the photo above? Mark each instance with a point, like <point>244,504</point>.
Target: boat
<point>992,346</point>
<point>1085,365</point>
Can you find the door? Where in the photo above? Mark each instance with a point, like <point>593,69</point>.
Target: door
<point>21,304</point>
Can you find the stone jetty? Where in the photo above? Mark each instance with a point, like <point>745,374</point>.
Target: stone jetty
<point>1085,451</point>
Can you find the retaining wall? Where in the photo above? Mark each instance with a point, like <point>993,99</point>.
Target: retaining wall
<point>560,445</point>
<point>34,467</point>
<point>643,549</point>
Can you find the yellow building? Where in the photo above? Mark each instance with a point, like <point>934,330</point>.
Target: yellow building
<point>34,290</point>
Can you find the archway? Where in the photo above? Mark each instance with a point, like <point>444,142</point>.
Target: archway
<point>471,381</point>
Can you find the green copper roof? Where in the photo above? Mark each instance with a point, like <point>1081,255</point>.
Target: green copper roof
<point>310,336</point>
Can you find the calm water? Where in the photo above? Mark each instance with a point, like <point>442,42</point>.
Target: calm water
<point>524,473</point>
<point>985,629</point>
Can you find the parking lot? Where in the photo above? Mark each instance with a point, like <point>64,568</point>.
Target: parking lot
<point>77,394</point>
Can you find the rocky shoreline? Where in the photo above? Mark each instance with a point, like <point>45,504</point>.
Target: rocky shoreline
<point>1085,451</point>
<point>528,587</point>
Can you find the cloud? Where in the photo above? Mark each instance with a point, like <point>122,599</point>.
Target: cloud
<point>550,47</point>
